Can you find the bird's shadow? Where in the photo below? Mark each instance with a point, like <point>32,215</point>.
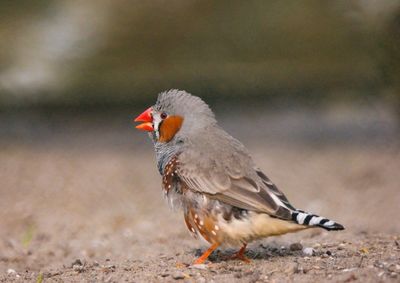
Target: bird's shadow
<point>260,252</point>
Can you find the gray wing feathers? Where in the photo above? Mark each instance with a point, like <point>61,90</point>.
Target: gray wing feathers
<point>224,170</point>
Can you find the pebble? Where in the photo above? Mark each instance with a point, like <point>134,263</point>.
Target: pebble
<point>391,268</point>
<point>78,268</point>
<point>11,271</point>
<point>349,269</point>
<point>165,274</point>
<point>296,247</point>
<point>293,268</point>
<point>199,266</point>
<point>76,262</point>
<point>178,275</point>
<point>238,275</point>
<point>308,251</point>
<point>317,246</point>
<point>341,246</point>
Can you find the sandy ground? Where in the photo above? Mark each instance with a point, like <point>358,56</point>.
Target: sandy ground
<point>84,203</point>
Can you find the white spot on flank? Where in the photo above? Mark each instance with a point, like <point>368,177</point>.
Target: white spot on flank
<point>169,186</point>
<point>213,232</point>
<point>192,229</point>
<point>216,227</point>
<point>195,216</point>
<point>201,223</point>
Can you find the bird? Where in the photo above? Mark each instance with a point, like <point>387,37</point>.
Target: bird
<point>208,174</point>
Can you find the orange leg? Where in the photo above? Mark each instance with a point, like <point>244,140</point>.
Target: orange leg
<point>206,254</point>
<point>240,255</point>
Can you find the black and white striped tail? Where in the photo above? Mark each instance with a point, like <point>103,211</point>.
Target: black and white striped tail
<point>309,219</point>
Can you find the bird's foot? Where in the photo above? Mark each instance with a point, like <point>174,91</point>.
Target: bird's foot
<point>240,255</point>
<point>205,255</point>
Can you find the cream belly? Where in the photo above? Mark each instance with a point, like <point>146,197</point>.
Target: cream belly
<point>255,226</point>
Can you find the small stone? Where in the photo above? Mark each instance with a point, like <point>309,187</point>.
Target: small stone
<point>393,274</point>
<point>352,277</point>
<point>165,274</point>
<point>292,268</point>
<point>296,247</point>
<point>178,275</point>
<point>11,271</point>
<point>391,268</point>
<point>341,246</point>
<point>308,251</point>
<point>328,252</point>
<point>238,275</point>
<point>76,262</point>
<point>199,266</point>
<point>78,268</point>
<point>317,246</point>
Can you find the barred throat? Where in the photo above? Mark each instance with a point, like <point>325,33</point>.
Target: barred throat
<point>164,154</point>
<point>308,219</point>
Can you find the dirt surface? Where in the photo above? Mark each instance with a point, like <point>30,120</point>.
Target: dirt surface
<point>86,205</point>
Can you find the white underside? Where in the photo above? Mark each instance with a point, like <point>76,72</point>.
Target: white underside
<point>256,226</point>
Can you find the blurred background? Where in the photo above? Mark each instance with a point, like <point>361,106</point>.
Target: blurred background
<point>312,88</point>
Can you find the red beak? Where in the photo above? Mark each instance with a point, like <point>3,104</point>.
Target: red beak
<point>147,119</point>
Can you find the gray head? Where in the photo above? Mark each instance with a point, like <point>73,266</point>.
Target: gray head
<point>176,116</point>
<point>177,119</point>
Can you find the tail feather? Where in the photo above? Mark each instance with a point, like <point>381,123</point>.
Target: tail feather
<point>304,218</point>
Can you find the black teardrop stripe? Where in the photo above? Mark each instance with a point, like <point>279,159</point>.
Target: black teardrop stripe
<point>294,216</point>
<point>323,221</point>
<point>307,219</point>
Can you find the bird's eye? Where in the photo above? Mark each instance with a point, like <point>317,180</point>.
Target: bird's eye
<point>163,115</point>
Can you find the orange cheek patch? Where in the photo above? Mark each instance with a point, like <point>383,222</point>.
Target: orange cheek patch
<point>170,127</point>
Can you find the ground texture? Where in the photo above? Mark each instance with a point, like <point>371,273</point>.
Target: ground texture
<point>79,205</point>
